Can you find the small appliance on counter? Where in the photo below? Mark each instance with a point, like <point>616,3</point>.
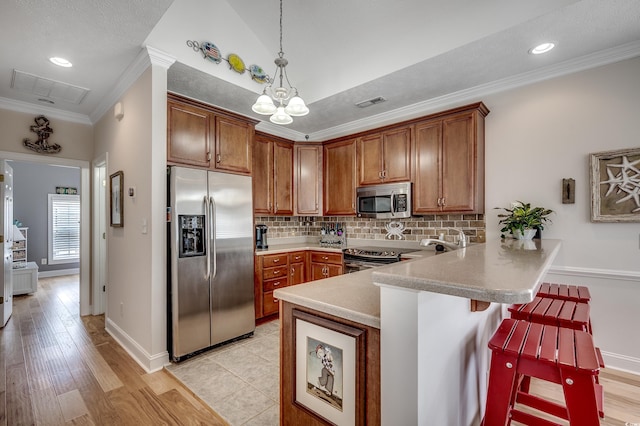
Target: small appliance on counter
<point>261,237</point>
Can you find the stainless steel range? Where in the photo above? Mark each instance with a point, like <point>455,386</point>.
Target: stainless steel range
<point>360,258</point>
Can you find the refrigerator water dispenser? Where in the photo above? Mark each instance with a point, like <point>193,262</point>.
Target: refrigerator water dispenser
<point>192,235</point>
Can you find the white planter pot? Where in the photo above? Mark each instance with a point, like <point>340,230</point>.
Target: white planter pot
<point>528,234</point>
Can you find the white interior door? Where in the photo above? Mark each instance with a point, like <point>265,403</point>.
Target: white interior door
<point>6,218</point>
<point>99,237</point>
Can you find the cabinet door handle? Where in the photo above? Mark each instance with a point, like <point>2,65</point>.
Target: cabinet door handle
<point>276,260</point>
<point>218,158</point>
<point>275,300</point>
<point>293,271</point>
<point>276,272</point>
<point>208,156</point>
<point>444,203</point>
<point>277,283</point>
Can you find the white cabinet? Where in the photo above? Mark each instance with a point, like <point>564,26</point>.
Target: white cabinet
<point>20,248</point>
<point>25,280</point>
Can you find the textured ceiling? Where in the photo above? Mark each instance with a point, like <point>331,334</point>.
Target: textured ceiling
<point>420,55</point>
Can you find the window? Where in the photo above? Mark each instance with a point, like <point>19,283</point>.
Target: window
<point>64,228</point>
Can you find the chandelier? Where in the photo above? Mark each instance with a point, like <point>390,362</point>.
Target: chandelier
<point>287,100</point>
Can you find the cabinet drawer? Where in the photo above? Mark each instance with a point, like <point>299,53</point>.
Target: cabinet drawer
<point>296,256</point>
<point>269,304</point>
<point>270,260</point>
<point>270,285</point>
<point>325,257</point>
<point>270,273</point>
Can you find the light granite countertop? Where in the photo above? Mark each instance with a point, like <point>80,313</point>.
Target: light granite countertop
<point>502,271</point>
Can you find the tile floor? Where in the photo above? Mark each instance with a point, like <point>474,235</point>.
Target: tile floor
<point>241,380</point>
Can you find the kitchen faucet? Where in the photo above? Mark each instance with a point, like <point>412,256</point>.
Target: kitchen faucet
<point>462,241</point>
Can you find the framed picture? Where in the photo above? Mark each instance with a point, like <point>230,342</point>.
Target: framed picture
<point>116,183</point>
<point>615,186</point>
<point>328,371</point>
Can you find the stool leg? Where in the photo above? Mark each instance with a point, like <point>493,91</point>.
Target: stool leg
<point>502,380</point>
<point>580,397</point>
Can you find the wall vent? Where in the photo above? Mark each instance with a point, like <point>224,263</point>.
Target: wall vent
<point>47,88</point>
<point>369,102</point>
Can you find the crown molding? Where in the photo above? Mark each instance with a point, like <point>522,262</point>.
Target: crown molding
<point>29,108</point>
<point>281,131</point>
<point>604,57</point>
<point>147,56</point>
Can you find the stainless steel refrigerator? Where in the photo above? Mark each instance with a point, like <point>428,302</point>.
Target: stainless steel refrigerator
<point>210,233</point>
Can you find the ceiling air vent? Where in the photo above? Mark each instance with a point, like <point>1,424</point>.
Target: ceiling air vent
<point>47,88</point>
<point>369,102</point>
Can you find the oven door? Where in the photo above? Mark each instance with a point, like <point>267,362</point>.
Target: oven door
<point>351,266</point>
<point>355,265</point>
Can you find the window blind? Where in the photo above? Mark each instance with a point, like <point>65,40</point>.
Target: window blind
<point>64,228</point>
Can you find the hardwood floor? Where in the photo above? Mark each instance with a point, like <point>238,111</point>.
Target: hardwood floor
<point>59,369</point>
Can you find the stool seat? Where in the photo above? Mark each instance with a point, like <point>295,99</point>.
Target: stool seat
<point>548,352</point>
<point>563,313</point>
<point>565,292</point>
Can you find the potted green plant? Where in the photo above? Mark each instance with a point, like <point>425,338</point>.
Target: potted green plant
<point>523,221</point>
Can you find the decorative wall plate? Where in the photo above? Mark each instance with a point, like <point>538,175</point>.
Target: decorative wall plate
<point>236,63</point>
<point>258,74</point>
<point>211,52</point>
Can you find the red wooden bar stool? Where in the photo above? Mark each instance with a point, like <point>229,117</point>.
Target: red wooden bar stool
<point>560,312</point>
<point>547,352</point>
<point>565,292</point>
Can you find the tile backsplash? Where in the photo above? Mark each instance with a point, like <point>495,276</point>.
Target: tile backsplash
<point>416,228</point>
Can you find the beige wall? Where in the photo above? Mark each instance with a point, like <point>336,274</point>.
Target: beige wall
<point>136,299</point>
<point>76,139</point>
<point>538,135</point>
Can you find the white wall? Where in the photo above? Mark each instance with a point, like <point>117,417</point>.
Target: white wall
<point>540,134</point>
<point>136,271</point>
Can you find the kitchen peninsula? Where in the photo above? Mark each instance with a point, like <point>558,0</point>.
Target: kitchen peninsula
<point>424,347</point>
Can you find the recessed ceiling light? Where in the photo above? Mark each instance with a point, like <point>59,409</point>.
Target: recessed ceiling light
<point>542,48</point>
<point>62,62</point>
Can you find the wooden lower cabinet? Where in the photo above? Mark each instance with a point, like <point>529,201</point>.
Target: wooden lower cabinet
<point>297,269</point>
<point>274,271</point>
<point>368,399</point>
<point>325,265</point>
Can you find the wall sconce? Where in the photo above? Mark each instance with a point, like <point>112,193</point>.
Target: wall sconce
<point>118,111</point>
<point>568,191</point>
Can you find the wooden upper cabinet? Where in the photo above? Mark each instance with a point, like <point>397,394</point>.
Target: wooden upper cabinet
<point>202,136</point>
<point>262,176</point>
<point>384,157</point>
<point>233,145</point>
<point>188,133</point>
<point>449,163</point>
<point>283,178</point>
<point>427,182</point>
<point>272,176</point>
<point>308,180</point>
<point>340,178</point>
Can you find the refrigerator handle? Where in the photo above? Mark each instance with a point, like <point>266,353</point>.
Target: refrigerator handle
<point>208,248</point>
<point>212,251</point>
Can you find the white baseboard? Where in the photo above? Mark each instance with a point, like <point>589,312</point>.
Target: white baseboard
<point>58,273</point>
<point>150,363</point>
<point>622,362</point>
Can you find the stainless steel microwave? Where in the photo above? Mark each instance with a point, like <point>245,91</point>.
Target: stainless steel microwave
<point>386,201</point>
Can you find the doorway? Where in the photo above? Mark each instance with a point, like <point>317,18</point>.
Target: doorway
<point>85,219</point>
<point>99,258</point>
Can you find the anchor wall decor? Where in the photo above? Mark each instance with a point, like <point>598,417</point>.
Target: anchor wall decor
<point>42,129</point>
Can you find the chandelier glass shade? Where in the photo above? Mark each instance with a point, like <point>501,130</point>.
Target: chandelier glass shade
<point>280,102</point>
